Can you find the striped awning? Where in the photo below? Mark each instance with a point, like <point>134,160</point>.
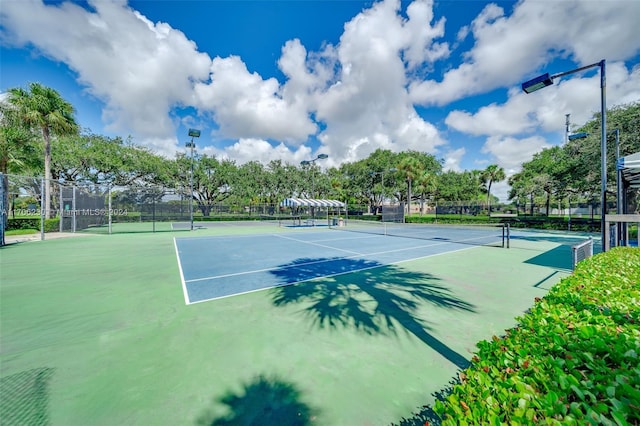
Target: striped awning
<point>310,202</point>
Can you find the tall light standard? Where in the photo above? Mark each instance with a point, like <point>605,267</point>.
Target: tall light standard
<point>547,80</point>
<point>194,134</point>
<point>305,163</point>
<point>621,228</point>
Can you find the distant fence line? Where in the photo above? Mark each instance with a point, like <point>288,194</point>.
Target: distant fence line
<point>79,207</point>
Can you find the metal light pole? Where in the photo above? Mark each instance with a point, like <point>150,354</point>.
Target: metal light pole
<point>547,80</point>
<point>194,134</point>
<point>621,228</point>
<point>308,163</point>
<point>305,163</point>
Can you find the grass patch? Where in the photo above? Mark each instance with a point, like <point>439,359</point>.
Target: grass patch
<point>21,231</point>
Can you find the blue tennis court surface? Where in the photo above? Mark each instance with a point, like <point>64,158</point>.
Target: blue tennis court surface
<point>221,266</point>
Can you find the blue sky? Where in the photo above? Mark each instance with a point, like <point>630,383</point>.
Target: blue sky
<point>288,80</point>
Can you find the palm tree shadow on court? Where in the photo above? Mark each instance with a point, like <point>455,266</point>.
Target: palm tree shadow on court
<point>375,299</point>
<point>265,401</point>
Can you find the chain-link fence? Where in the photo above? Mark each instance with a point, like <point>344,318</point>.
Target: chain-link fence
<point>102,208</point>
<point>21,204</point>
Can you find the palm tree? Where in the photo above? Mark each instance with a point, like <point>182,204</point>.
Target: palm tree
<point>43,108</point>
<point>425,184</point>
<point>412,168</point>
<point>492,173</point>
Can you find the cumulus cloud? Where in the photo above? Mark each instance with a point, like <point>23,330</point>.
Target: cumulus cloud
<point>245,150</point>
<point>368,106</point>
<point>507,48</point>
<point>353,96</point>
<point>452,159</point>
<point>511,152</point>
<point>546,109</point>
<point>245,105</point>
<point>139,69</point>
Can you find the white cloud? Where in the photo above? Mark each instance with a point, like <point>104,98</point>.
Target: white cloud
<point>452,160</point>
<point>354,96</point>
<point>245,105</point>
<point>509,153</point>
<point>368,107</point>
<point>245,150</point>
<point>508,48</point>
<point>139,69</point>
<point>420,35</point>
<point>546,109</point>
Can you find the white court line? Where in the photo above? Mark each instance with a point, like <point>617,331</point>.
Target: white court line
<point>184,284</point>
<point>329,276</point>
<point>274,268</point>
<point>354,256</point>
<point>316,244</point>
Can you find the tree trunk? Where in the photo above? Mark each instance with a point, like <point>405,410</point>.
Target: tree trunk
<point>531,208</point>
<point>548,203</point>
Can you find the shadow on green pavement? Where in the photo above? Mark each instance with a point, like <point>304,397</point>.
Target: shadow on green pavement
<point>378,299</point>
<point>265,401</point>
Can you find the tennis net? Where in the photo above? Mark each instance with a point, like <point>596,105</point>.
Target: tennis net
<point>494,235</point>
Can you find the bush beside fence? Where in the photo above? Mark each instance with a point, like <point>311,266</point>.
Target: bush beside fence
<point>50,225</point>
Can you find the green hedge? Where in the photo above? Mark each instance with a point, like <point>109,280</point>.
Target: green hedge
<point>50,225</point>
<point>452,218</point>
<point>573,358</point>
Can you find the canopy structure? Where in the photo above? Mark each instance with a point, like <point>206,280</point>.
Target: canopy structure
<point>630,167</point>
<point>310,202</point>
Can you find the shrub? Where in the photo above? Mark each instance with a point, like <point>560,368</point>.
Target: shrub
<point>573,359</point>
<point>23,223</point>
<point>50,225</point>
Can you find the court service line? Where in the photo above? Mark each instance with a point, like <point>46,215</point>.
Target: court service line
<point>354,256</point>
<point>274,268</point>
<point>329,276</point>
<point>319,245</point>
<point>184,284</point>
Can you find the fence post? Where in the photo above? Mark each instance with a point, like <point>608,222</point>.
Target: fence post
<point>4,196</point>
<point>109,195</point>
<point>42,209</point>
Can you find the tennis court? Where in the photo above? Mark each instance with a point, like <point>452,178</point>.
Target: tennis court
<point>95,330</point>
<point>215,267</point>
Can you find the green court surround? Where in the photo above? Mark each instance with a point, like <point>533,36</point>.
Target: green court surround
<point>104,316</point>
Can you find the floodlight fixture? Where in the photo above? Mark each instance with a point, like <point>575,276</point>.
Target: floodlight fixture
<point>194,133</point>
<point>537,83</point>
<point>580,135</point>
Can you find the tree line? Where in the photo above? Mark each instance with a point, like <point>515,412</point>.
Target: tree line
<point>572,172</point>
<point>39,136</point>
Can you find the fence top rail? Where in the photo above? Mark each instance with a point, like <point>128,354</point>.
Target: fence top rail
<point>628,218</point>
<point>585,243</point>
